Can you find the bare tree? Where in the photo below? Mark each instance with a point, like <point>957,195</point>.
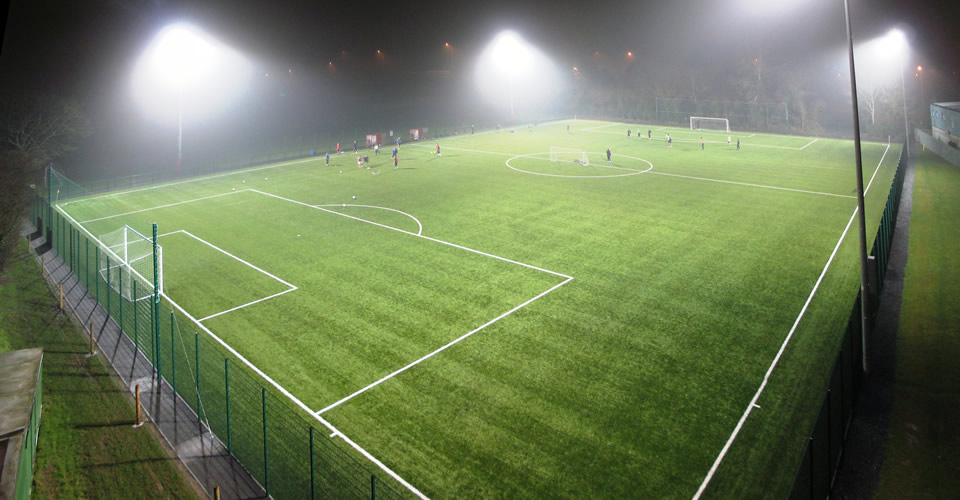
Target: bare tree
<point>40,128</point>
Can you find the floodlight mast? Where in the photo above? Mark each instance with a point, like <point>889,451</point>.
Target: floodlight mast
<point>864,263</point>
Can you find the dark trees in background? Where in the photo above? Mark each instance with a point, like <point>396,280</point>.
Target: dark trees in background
<point>35,129</point>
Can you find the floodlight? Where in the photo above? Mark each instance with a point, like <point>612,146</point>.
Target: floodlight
<point>511,70</point>
<point>183,68</point>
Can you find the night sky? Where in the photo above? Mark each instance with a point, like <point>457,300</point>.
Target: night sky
<point>86,49</point>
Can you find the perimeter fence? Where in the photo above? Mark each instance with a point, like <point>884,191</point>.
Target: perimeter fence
<point>281,445</point>
<point>826,439</point>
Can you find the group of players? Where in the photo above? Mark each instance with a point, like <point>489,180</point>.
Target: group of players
<point>364,160</point>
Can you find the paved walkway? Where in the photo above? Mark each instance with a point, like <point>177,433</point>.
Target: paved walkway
<point>200,451</point>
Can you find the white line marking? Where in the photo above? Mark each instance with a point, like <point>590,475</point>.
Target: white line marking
<point>445,347</point>
<point>247,304</point>
<point>272,382</point>
<point>809,143</point>
<point>419,225</point>
<point>753,185</point>
<point>289,286</point>
<point>783,347</point>
<point>414,234</point>
<point>228,254</point>
<point>197,179</point>
<point>161,206</point>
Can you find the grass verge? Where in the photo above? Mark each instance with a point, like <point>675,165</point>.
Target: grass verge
<point>87,447</point>
<point>922,451</point>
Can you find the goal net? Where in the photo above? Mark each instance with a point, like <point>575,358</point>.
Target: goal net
<point>569,155</point>
<point>707,123</point>
<point>126,264</point>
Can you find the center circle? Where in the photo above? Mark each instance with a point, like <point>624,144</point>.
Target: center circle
<point>539,156</point>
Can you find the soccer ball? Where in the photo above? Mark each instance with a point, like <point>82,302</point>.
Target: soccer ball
<point>266,178</point>
<point>354,197</point>
<point>244,181</point>
<point>233,189</point>
<point>298,236</point>
<point>341,171</point>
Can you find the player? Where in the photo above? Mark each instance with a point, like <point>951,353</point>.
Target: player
<point>703,145</point>
<point>355,150</point>
<point>438,150</point>
<point>338,149</point>
<point>396,161</point>
<point>394,155</point>
<point>728,140</point>
<point>473,128</point>
<point>498,128</point>
<point>628,132</point>
<point>670,142</point>
<point>398,143</point>
<point>649,134</point>
<point>376,149</point>
<point>608,155</point>
<point>359,162</point>
<point>327,158</point>
<point>366,161</point>
<point>738,144</point>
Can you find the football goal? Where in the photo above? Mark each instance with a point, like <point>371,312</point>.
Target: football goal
<point>569,155</point>
<point>707,123</point>
<point>126,264</point>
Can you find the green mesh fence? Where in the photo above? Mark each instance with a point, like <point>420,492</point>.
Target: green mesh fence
<point>288,451</point>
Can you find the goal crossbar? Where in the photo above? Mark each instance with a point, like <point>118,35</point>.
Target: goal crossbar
<point>714,123</point>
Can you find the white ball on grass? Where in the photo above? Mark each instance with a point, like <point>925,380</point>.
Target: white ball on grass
<point>354,197</point>
<point>233,189</point>
<point>266,178</point>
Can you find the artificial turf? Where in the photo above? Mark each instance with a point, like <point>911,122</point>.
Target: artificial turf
<point>690,266</point>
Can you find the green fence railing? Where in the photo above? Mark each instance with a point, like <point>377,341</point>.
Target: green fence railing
<point>826,439</point>
<point>28,447</point>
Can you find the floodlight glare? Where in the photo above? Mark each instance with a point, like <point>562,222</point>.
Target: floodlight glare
<point>512,71</point>
<point>184,65</point>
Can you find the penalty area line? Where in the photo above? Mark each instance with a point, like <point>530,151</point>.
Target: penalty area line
<point>443,348</point>
<point>163,206</point>
<point>766,377</point>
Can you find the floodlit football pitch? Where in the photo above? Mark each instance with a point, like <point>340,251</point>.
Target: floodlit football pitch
<point>488,322</point>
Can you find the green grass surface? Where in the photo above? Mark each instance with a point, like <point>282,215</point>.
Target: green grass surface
<point>922,452</point>
<point>87,447</point>
<point>625,381</point>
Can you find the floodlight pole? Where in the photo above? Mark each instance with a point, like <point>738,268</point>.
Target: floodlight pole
<point>906,126</point>
<point>179,129</point>
<point>864,285</point>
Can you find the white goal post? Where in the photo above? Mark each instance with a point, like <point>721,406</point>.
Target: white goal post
<point>709,123</point>
<point>569,155</point>
<point>126,263</point>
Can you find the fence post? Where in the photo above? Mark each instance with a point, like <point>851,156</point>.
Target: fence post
<point>196,359</point>
<point>313,488</point>
<point>86,261</point>
<point>373,487</point>
<point>226,384</point>
<point>173,358</point>
<point>266,455</point>
<point>92,350</point>
<point>136,337</point>
<point>97,286</point>
<point>61,296</point>
<point>120,295</point>
<point>139,419</point>
<point>108,286</point>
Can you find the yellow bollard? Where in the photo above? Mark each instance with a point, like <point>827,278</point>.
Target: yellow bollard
<point>42,259</point>
<point>216,492</point>
<point>61,296</point>
<point>139,418</point>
